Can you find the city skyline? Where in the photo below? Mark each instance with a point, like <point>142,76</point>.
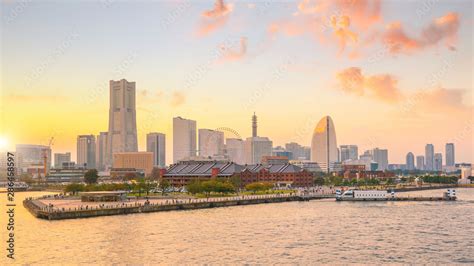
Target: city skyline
<point>434,106</point>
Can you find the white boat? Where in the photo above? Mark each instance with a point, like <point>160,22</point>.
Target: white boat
<point>352,195</point>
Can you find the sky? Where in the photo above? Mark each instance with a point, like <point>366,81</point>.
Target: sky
<point>391,74</point>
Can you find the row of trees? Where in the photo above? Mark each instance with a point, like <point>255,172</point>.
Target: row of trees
<point>440,179</point>
<point>340,181</point>
<point>211,186</point>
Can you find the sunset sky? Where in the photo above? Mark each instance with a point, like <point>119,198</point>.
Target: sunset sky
<point>391,74</point>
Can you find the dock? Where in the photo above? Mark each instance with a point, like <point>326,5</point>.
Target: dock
<point>39,209</point>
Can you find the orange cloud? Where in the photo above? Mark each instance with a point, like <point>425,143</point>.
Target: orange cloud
<point>231,55</point>
<point>363,13</point>
<point>214,18</point>
<point>382,87</point>
<point>441,29</point>
<point>342,32</point>
<point>177,99</point>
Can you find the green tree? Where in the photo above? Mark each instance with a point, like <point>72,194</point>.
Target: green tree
<point>194,187</point>
<point>91,176</point>
<point>164,185</point>
<point>74,188</point>
<point>318,181</point>
<point>258,186</point>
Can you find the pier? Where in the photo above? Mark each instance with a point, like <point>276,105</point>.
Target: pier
<point>45,207</point>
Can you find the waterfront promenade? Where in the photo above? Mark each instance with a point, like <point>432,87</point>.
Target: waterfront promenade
<point>57,207</point>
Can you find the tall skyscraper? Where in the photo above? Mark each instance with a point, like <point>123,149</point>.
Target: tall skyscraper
<point>438,162</point>
<point>156,143</point>
<point>324,144</point>
<point>211,142</point>
<point>410,161</point>
<point>256,147</point>
<point>60,158</point>
<point>235,150</point>
<point>349,152</point>
<point>429,157</point>
<point>101,151</point>
<point>450,157</point>
<point>420,162</point>
<point>86,151</point>
<point>122,134</point>
<point>380,156</point>
<point>184,138</point>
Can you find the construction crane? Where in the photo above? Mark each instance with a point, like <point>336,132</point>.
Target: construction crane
<point>45,156</point>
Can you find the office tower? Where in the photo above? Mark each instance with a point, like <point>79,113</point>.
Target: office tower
<point>438,162</point>
<point>297,151</point>
<point>235,150</point>
<point>141,161</point>
<point>307,152</point>
<point>420,162</point>
<point>32,156</point>
<point>122,134</point>
<point>324,144</point>
<point>156,143</point>
<point>429,157</point>
<point>60,158</point>
<point>86,151</point>
<point>349,152</point>
<point>101,151</point>
<point>410,161</point>
<point>184,138</point>
<point>450,159</point>
<point>256,147</point>
<point>211,143</point>
<point>380,156</point>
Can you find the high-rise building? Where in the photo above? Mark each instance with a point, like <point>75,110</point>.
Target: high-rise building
<point>297,151</point>
<point>349,152</point>
<point>33,155</point>
<point>101,151</point>
<point>156,143</point>
<point>410,161</point>
<point>142,161</point>
<point>184,138</point>
<point>380,156</point>
<point>122,134</point>
<point>211,143</point>
<point>60,158</point>
<point>255,147</point>
<point>438,162</point>
<point>420,162</point>
<point>86,151</point>
<point>450,158</point>
<point>324,144</point>
<point>429,157</point>
<point>235,150</point>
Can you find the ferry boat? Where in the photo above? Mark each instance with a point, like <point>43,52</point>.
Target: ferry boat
<point>381,195</point>
<point>352,194</point>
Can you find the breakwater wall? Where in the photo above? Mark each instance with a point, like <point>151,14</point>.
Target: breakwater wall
<point>40,210</point>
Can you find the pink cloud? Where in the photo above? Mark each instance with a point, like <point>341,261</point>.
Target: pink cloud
<point>228,54</point>
<point>442,29</point>
<point>382,87</point>
<point>215,18</point>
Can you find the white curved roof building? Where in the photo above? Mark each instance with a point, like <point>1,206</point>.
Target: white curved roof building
<point>324,144</point>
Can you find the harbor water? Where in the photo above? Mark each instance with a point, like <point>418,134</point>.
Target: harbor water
<point>320,231</point>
